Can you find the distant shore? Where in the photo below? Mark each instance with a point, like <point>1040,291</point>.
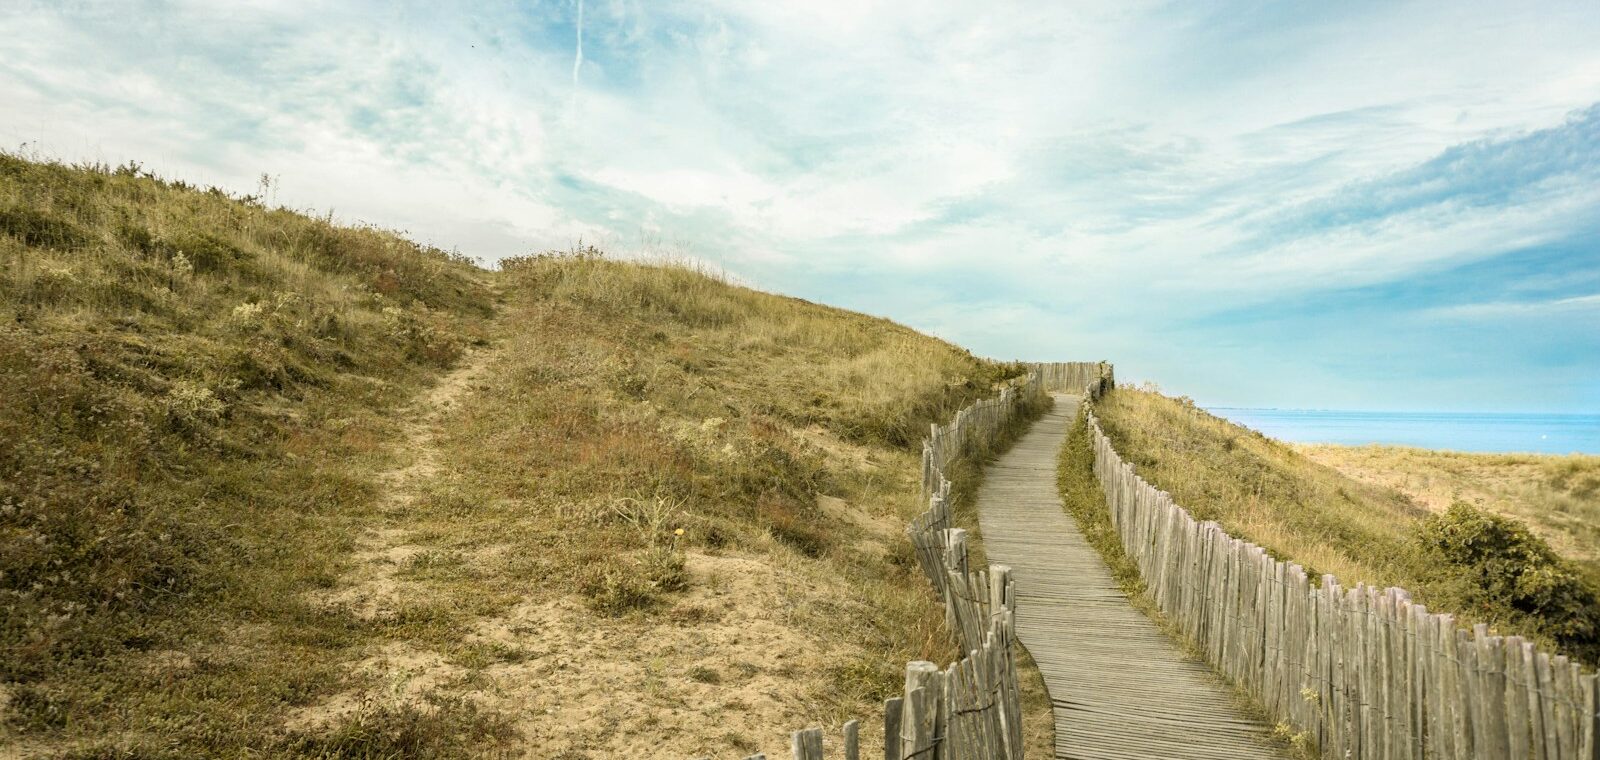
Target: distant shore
<point>1445,431</point>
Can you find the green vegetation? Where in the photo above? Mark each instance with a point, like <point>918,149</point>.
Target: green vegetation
<point>1558,497</point>
<point>630,401</point>
<point>1495,567</point>
<point>189,378</point>
<point>273,486</point>
<point>1085,501</point>
<point>1480,566</point>
<point>444,728</point>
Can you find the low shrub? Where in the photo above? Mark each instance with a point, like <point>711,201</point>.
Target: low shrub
<point>1497,568</point>
<point>619,584</point>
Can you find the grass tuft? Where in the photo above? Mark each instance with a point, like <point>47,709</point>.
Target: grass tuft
<point>443,729</point>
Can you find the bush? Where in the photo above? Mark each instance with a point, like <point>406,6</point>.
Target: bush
<point>41,229</point>
<point>615,585</point>
<point>1497,567</point>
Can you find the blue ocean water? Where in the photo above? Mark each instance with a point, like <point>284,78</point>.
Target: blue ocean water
<point>1534,433</point>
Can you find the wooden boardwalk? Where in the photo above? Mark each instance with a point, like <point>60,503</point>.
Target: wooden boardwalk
<point>1120,687</point>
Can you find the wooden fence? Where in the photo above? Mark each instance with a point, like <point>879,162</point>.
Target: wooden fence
<point>1071,377</point>
<point>971,710</point>
<point>1362,672</point>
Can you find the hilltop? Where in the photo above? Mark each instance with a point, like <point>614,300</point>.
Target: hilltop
<point>275,484</point>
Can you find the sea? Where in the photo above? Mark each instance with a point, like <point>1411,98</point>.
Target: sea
<point>1455,431</point>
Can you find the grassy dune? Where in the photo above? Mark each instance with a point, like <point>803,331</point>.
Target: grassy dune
<point>273,485</point>
<point>193,386</point>
<point>1482,565</point>
<point>1556,496</point>
<point>627,403</point>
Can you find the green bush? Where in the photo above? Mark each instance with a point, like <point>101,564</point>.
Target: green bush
<point>1501,570</point>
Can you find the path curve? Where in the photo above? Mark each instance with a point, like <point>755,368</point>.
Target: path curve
<point>1121,688</point>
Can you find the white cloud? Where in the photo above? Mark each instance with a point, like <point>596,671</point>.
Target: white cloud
<point>1572,307</point>
<point>1039,162</point>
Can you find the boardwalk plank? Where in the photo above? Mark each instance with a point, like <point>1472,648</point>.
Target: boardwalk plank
<point>1119,686</point>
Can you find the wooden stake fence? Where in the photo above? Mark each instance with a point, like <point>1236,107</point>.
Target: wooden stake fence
<point>972,709</point>
<point>1362,672</point>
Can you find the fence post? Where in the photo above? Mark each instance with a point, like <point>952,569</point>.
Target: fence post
<point>892,712</point>
<point>1589,742</point>
<point>922,723</point>
<point>919,725</point>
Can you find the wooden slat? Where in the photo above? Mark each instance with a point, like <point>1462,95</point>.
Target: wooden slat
<point>892,711</point>
<point>1121,689</point>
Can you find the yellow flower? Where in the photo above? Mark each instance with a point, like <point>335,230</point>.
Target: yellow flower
<point>678,532</point>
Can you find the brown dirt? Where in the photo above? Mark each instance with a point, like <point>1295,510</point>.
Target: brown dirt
<point>370,589</point>
<point>712,676</point>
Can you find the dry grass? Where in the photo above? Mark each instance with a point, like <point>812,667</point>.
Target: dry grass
<point>1261,489</point>
<point>255,502</point>
<point>629,402</point>
<point>1557,496</point>
<point>1360,530</point>
<point>195,387</point>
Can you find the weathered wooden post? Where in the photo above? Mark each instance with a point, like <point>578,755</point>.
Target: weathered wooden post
<point>806,744</point>
<point>919,725</point>
<point>892,709</point>
<point>852,740</point>
<point>1589,740</point>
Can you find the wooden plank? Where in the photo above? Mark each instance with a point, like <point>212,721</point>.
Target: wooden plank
<point>1367,688</point>
<point>892,712</point>
<point>1491,663</point>
<point>1417,684</point>
<point>852,740</point>
<point>1120,688</point>
<point>1456,652</point>
<point>1338,681</point>
<point>920,722</point>
<point>1436,687</point>
<point>1568,718</point>
<point>1589,730</point>
<point>1535,707</point>
<point>1482,740</point>
<point>1378,654</point>
<point>1398,679</point>
<point>806,744</point>
<point>1515,699</point>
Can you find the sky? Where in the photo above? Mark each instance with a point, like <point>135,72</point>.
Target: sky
<point>1355,205</point>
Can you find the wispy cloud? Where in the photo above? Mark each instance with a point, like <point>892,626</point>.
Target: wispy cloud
<point>1571,306</point>
<point>577,58</point>
<point>1147,182</point>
